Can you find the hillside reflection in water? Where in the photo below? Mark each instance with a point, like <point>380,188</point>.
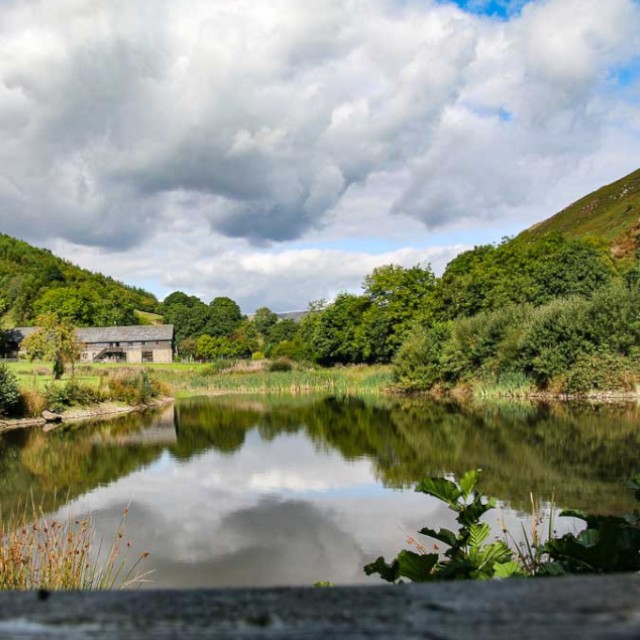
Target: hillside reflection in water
<point>251,491</point>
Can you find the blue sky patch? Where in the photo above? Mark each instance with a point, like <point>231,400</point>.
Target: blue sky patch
<point>493,8</point>
<point>628,75</point>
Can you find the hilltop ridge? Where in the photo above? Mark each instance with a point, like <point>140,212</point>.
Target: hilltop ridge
<point>611,213</point>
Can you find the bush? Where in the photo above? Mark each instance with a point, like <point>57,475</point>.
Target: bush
<point>281,364</point>
<point>216,367</point>
<point>133,388</point>
<point>600,372</point>
<point>257,355</point>
<point>33,403</point>
<point>572,345</point>
<point>61,396</point>
<point>418,366</point>
<point>9,391</point>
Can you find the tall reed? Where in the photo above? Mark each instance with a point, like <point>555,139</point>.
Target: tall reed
<point>38,551</point>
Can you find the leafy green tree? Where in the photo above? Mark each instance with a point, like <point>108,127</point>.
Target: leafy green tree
<point>75,305</point>
<point>56,341</point>
<point>399,296</point>
<point>283,331</point>
<point>264,319</point>
<point>517,271</point>
<point>338,337</point>
<point>188,314</point>
<point>220,348</point>
<point>225,317</point>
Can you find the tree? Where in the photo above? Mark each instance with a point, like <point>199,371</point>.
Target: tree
<point>188,314</point>
<point>337,334</point>
<point>56,341</point>
<point>283,331</point>
<point>264,319</point>
<point>398,296</point>
<point>224,317</point>
<point>87,305</point>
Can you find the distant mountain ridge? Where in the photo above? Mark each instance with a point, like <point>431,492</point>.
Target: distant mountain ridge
<point>34,280</point>
<point>611,213</point>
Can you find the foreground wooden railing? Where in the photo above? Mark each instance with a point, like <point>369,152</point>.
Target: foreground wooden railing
<point>594,607</point>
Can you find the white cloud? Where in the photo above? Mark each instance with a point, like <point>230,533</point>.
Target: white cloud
<point>282,280</point>
<point>125,123</point>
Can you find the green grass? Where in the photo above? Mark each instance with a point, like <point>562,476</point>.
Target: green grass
<point>146,317</point>
<point>36,375</point>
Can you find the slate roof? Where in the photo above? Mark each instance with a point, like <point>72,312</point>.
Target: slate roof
<point>18,334</point>
<point>296,316</point>
<point>91,335</point>
<point>135,333</point>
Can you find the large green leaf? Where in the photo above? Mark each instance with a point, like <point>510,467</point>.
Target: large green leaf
<point>417,567</point>
<point>478,533</point>
<point>506,569</point>
<point>388,572</point>
<point>470,514</point>
<point>469,481</point>
<point>444,535</point>
<point>442,489</point>
<point>496,553</point>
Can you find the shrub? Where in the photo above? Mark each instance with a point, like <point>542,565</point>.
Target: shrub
<point>33,402</point>
<point>61,396</point>
<point>418,366</point>
<point>131,387</point>
<point>257,355</point>
<point>9,391</point>
<point>281,364</point>
<point>600,372</point>
<point>215,367</point>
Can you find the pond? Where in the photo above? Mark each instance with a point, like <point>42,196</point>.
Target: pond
<point>253,491</point>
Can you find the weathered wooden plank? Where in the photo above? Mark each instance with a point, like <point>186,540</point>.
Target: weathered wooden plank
<point>605,607</point>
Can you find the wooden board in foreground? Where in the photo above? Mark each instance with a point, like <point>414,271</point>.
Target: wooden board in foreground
<point>607,607</point>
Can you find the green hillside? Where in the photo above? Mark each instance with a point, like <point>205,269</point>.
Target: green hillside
<point>34,281</point>
<point>611,213</point>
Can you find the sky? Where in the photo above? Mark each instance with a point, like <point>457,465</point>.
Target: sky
<point>276,151</point>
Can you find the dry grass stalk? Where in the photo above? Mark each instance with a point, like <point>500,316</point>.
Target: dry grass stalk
<point>41,552</point>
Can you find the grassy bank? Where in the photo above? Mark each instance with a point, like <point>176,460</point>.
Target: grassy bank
<point>135,385</point>
<point>27,389</point>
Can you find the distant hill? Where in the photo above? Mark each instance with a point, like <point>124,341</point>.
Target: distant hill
<point>34,281</point>
<point>611,213</point>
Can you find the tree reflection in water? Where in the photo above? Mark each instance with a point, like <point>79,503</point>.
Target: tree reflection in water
<point>579,454</point>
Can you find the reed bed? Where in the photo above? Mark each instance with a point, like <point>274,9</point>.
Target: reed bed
<point>345,380</point>
<point>42,552</point>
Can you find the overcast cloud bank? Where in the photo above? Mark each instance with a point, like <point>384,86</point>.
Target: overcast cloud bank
<point>221,147</point>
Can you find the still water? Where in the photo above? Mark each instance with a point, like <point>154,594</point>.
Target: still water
<point>288,491</point>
